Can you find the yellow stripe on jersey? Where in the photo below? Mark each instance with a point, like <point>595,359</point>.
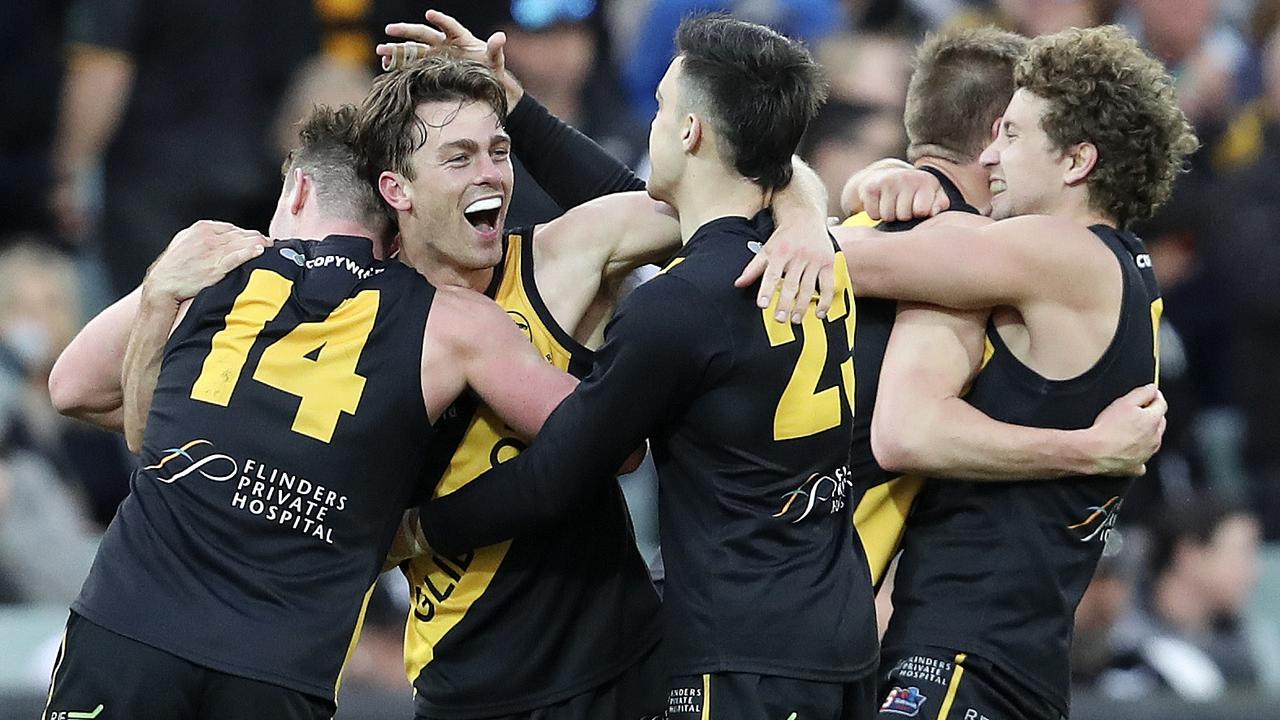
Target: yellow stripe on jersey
<point>881,520</point>
<point>355,638</point>
<point>444,589</point>
<point>952,687</point>
<point>706,697</point>
<point>862,219</point>
<point>1157,309</point>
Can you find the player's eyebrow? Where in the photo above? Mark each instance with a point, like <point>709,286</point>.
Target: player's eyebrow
<point>464,144</point>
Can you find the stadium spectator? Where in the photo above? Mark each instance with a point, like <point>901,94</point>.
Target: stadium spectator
<point>845,138</point>
<point>173,99</point>
<point>1188,633</point>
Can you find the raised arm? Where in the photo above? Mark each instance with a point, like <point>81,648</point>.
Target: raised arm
<point>922,425</point>
<point>649,365</point>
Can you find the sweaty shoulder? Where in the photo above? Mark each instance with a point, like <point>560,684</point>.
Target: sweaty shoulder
<point>955,218</point>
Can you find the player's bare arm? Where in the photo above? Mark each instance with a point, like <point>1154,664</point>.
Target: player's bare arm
<point>922,425</point>
<point>470,341</point>
<point>86,380</point>
<point>1010,262</point>
<point>198,257</point>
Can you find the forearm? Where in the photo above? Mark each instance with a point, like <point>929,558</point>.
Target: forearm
<point>85,381</point>
<point>156,315</point>
<point>956,440</point>
<point>803,199</point>
<point>568,165</point>
<point>94,96</point>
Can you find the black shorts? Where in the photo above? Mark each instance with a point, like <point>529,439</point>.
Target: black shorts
<point>636,694</point>
<point>932,683</point>
<point>744,696</point>
<point>100,675</point>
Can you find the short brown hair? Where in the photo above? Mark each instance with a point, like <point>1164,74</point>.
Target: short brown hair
<point>758,87</point>
<point>1103,89</point>
<point>962,82</point>
<point>389,131</point>
<point>325,152</point>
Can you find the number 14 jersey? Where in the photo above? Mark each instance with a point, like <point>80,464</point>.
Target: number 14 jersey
<point>286,436</point>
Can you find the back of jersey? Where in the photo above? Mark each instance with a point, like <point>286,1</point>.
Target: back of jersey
<point>756,492</point>
<point>286,434</point>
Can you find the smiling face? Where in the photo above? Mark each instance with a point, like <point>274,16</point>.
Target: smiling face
<point>457,201</point>
<point>1028,174</point>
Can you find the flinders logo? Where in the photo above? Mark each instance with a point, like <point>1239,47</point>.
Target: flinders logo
<point>196,456</point>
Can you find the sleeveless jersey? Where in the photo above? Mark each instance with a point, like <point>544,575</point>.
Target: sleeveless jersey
<point>576,601</point>
<point>285,438</point>
<point>996,569</point>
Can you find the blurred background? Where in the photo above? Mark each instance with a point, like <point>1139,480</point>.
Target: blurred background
<point>130,119</point>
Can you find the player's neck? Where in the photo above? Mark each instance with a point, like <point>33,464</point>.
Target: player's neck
<point>705,196</point>
<point>971,179</point>
<point>321,228</point>
<point>1073,205</point>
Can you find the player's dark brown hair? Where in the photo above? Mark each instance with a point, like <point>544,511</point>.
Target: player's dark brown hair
<point>388,129</point>
<point>326,153</point>
<point>758,89</point>
<point>962,82</point>
<point>1102,88</point>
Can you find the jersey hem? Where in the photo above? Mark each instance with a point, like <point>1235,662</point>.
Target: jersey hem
<point>774,669</point>
<point>1060,702</point>
<point>328,694</point>
<point>424,709</point>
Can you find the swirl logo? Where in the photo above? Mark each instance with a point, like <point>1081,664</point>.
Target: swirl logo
<point>208,465</point>
<point>816,491</point>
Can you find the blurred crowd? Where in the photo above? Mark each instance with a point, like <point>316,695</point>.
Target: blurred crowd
<point>130,119</point>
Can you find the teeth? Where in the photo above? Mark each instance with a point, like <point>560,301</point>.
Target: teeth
<point>997,186</point>
<point>490,203</point>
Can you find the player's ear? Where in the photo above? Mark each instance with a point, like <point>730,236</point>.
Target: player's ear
<point>395,191</point>
<point>691,136</point>
<point>300,192</point>
<point>1083,158</point>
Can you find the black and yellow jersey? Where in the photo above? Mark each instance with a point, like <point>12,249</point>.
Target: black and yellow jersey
<point>575,600</point>
<point>881,516</point>
<point>750,425</point>
<point>285,438</point>
<point>995,570</point>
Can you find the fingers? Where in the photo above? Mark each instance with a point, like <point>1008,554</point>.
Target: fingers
<point>940,202</point>
<point>1142,396</point>
<point>923,202</point>
<point>826,289</point>
<point>397,55</point>
<point>787,292</point>
<point>453,29</point>
<point>1160,405</point>
<point>416,32</point>
<point>888,206</point>
<point>751,273</point>
<point>769,287</point>
<point>806,288</point>
<point>236,258</point>
<point>902,206</point>
<point>870,201</point>
<point>494,50</point>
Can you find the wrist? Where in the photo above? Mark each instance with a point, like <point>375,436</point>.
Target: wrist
<point>1081,452</point>
<point>157,294</point>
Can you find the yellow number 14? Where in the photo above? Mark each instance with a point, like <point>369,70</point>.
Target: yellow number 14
<point>327,385</point>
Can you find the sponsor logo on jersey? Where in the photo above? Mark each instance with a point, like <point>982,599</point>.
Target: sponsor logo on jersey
<point>904,701</point>
<point>821,492</point>
<point>1100,521</point>
<point>213,466</point>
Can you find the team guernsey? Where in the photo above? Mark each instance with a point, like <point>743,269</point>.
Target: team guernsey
<point>749,422</point>
<point>1031,546</point>
<point>881,516</point>
<point>286,436</point>
<point>576,600</point>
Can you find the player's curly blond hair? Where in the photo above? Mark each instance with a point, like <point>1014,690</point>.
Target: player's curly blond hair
<point>1103,89</point>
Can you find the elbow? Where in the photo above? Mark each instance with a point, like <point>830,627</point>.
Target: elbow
<point>65,392</point>
<point>900,447</point>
